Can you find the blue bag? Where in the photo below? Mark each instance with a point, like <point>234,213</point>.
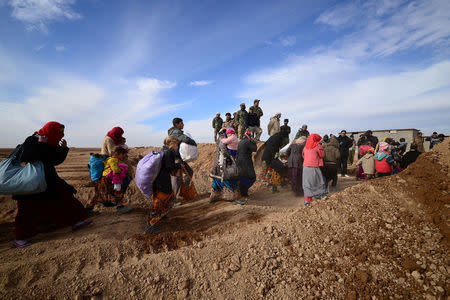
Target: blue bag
<point>96,166</point>
<point>16,179</point>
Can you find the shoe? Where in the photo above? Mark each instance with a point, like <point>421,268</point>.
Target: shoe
<point>239,202</point>
<point>152,229</point>
<point>91,212</point>
<point>307,203</point>
<point>123,210</point>
<point>164,218</point>
<point>108,204</point>
<point>177,204</point>
<point>346,175</point>
<point>80,225</point>
<point>21,243</point>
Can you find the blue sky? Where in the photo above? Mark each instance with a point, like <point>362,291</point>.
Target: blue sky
<point>95,64</point>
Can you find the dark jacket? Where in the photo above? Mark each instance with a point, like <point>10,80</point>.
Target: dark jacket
<point>50,157</point>
<point>295,157</point>
<point>179,134</point>
<point>251,120</point>
<point>272,146</point>
<point>162,182</point>
<point>344,144</point>
<point>285,128</point>
<point>245,163</point>
<point>409,158</point>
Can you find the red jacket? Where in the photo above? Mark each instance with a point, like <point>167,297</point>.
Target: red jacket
<point>382,159</point>
<point>313,157</point>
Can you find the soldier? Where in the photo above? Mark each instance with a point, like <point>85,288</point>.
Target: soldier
<point>257,110</point>
<point>217,125</point>
<point>302,132</point>
<point>241,115</point>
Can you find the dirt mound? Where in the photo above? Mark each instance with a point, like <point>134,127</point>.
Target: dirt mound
<point>381,239</point>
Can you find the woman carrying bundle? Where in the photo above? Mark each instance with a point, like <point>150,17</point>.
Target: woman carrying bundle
<point>56,207</point>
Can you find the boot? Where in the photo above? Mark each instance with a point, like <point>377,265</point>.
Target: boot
<point>215,196</point>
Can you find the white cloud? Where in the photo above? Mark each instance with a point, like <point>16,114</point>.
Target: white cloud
<point>39,48</point>
<point>37,14</point>
<point>60,48</point>
<point>288,41</point>
<point>89,110</point>
<point>382,28</point>
<point>200,83</point>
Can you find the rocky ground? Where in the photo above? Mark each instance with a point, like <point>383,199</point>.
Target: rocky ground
<point>387,238</point>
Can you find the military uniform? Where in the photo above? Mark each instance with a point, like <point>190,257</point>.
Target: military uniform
<point>217,125</point>
<point>240,119</point>
<point>257,110</point>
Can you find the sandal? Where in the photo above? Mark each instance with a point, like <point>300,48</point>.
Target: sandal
<point>152,229</point>
<point>21,243</point>
<point>80,225</point>
<point>239,202</point>
<point>123,210</point>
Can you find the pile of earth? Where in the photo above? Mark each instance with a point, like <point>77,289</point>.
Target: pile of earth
<point>380,239</point>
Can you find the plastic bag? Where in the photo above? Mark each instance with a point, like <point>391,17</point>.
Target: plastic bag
<point>188,152</point>
<point>16,179</point>
<point>284,149</point>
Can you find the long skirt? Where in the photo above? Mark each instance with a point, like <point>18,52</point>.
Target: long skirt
<point>314,183</point>
<point>162,203</point>
<point>52,211</point>
<point>105,193</point>
<point>330,171</point>
<point>295,179</point>
<point>219,185</point>
<point>270,176</point>
<point>244,184</point>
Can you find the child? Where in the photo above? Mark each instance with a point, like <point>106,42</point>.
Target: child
<point>117,178</point>
<point>163,195</point>
<point>109,195</point>
<point>368,164</point>
<point>384,161</point>
<point>231,141</point>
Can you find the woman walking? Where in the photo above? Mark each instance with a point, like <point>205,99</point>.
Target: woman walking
<point>113,138</point>
<point>295,165</point>
<point>56,207</point>
<point>247,174</point>
<point>314,184</point>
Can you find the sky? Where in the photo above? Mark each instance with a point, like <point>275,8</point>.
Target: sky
<point>333,65</point>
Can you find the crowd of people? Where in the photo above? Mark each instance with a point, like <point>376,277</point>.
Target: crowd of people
<point>308,163</point>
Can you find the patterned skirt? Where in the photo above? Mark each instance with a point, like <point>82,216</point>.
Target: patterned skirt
<point>105,193</point>
<point>162,203</point>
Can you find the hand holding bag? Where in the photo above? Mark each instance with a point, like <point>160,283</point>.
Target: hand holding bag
<point>16,179</point>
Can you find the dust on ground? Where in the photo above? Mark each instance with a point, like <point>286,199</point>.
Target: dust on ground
<point>386,238</point>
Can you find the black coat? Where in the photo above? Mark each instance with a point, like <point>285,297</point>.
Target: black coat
<point>50,157</point>
<point>272,146</point>
<point>295,157</point>
<point>251,120</point>
<point>409,158</point>
<point>285,128</point>
<point>344,144</point>
<point>245,163</point>
<point>162,182</point>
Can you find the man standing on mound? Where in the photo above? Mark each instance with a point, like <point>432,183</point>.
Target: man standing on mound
<point>177,131</point>
<point>217,125</point>
<point>241,115</point>
<point>258,111</point>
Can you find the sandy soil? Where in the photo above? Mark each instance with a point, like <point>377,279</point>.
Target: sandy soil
<point>387,238</point>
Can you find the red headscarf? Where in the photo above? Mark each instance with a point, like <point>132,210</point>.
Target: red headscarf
<point>312,141</point>
<point>52,131</point>
<point>116,135</point>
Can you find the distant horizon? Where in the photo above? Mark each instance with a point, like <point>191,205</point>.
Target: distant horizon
<point>94,65</point>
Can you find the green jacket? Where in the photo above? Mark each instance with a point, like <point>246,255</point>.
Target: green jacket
<point>258,111</point>
<point>240,117</point>
<point>217,123</point>
<point>301,133</point>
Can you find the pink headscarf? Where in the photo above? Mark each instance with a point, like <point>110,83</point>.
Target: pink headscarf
<point>230,131</point>
<point>383,146</point>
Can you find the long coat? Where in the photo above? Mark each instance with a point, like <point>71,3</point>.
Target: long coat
<point>244,161</point>
<point>273,126</point>
<point>295,157</point>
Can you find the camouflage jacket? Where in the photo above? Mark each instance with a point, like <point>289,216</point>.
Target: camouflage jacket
<point>240,117</point>
<point>258,111</point>
<point>217,123</point>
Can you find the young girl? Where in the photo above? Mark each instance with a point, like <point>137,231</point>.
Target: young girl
<point>231,141</point>
<point>384,162</point>
<point>105,191</point>
<point>163,196</point>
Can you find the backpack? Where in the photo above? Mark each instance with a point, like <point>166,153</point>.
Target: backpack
<point>147,170</point>
<point>16,179</point>
<point>96,166</point>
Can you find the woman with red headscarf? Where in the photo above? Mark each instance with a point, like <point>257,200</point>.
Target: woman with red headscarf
<point>112,139</point>
<point>314,184</point>
<point>56,207</point>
